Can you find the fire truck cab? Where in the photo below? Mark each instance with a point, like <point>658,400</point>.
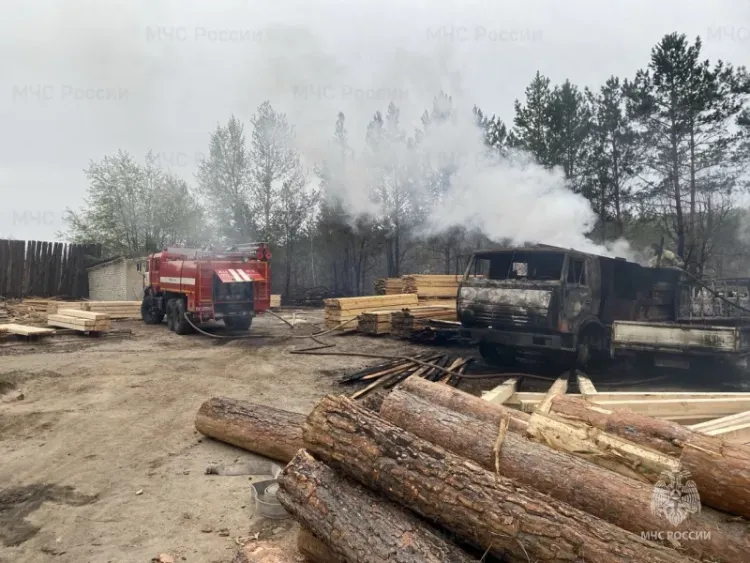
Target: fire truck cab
<point>190,286</point>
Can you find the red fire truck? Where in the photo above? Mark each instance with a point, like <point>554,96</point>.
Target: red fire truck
<point>232,285</point>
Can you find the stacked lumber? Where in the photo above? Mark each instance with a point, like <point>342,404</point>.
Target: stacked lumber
<point>81,321</point>
<point>375,322</point>
<point>407,322</point>
<point>275,301</point>
<point>433,460</point>
<point>389,286</point>
<point>115,309</point>
<point>433,366</point>
<point>432,286</point>
<point>348,309</point>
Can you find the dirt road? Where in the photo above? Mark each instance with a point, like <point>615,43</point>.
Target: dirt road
<point>100,459</point>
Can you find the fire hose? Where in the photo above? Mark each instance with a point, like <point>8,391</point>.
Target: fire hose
<point>315,350</point>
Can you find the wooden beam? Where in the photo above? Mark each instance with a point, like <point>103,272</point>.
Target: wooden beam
<point>585,386</point>
<point>734,428</point>
<point>502,392</point>
<point>559,387</point>
<point>629,396</point>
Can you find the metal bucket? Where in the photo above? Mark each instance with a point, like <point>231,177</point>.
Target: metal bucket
<point>266,503</point>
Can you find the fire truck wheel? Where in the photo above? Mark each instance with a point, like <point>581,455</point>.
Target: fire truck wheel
<point>181,324</point>
<point>170,314</point>
<point>150,314</point>
<point>238,323</point>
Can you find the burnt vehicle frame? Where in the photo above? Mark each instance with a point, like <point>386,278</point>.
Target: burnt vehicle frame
<point>557,301</point>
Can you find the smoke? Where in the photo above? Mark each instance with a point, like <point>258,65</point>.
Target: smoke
<point>510,198</point>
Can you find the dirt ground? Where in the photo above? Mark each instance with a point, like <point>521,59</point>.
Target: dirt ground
<point>99,458</point>
<point>100,461</point>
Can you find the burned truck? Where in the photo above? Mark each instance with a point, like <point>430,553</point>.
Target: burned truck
<point>557,303</point>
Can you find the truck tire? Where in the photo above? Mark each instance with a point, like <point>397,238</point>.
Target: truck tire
<point>181,324</point>
<point>497,355</point>
<point>149,313</point>
<point>238,323</point>
<point>170,314</point>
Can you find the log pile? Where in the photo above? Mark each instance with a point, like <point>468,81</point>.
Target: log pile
<point>408,322</point>
<point>440,475</point>
<point>81,321</point>
<point>348,309</point>
<point>433,366</point>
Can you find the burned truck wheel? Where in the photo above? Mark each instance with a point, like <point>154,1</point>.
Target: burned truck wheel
<point>238,323</point>
<point>181,324</point>
<point>150,314</point>
<point>592,347</point>
<point>497,355</point>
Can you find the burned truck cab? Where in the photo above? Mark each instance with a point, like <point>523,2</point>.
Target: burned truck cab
<point>540,298</point>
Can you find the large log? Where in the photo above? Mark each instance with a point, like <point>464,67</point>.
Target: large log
<point>469,405</point>
<point>267,431</point>
<point>720,470</point>
<point>502,516</point>
<point>621,501</point>
<point>313,549</point>
<point>355,523</point>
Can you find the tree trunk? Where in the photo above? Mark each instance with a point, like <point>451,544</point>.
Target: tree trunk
<point>660,435</point>
<point>495,512</point>
<point>721,470</point>
<point>617,499</point>
<point>357,524</point>
<point>455,400</point>
<point>267,431</point>
<point>313,549</point>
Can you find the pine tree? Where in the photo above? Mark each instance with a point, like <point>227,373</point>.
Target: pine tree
<point>684,107</point>
<point>568,134</point>
<point>532,120</point>
<point>613,156</point>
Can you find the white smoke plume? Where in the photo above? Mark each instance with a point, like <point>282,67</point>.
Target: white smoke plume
<point>510,198</point>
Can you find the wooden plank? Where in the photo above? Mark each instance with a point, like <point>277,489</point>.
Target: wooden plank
<point>24,330</point>
<point>722,422</point>
<point>502,392</point>
<point>624,397</point>
<point>559,387</point>
<point>585,386</point>
<point>86,315</point>
<point>78,324</point>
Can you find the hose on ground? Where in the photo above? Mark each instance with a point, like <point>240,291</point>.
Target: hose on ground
<point>315,350</point>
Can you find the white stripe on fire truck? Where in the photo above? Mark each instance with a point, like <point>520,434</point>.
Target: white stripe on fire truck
<point>244,275</point>
<point>235,275</point>
<point>183,281</point>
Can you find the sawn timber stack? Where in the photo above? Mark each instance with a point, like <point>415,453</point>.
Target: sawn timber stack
<point>341,314</point>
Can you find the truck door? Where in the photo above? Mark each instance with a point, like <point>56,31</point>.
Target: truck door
<point>578,295</point>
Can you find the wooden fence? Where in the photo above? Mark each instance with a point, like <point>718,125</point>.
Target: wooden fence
<point>45,269</point>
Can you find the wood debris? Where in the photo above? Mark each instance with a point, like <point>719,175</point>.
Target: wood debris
<point>408,322</point>
<point>430,365</point>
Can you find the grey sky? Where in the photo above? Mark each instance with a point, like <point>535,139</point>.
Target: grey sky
<point>157,74</point>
